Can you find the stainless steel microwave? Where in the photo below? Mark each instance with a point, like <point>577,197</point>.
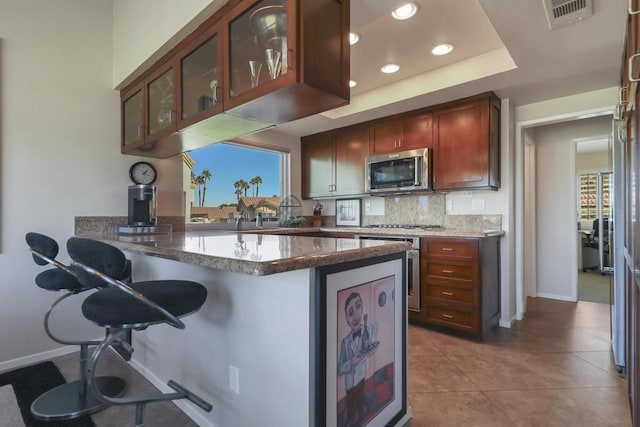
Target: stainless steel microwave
<point>399,172</point>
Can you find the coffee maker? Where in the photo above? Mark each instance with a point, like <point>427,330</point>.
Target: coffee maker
<point>142,205</point>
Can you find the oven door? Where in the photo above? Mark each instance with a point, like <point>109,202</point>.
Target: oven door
<point>413,266</point>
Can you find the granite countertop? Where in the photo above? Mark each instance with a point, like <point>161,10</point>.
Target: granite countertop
<point>247,252</point>
<point>419,232</point>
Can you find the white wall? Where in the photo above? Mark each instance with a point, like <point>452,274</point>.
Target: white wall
<point>60,152</point>
<point>144,30</point>
<point>556,225</point>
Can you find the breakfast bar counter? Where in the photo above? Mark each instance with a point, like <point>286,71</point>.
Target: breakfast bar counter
<point>265,346</point>
<point>245,252</point>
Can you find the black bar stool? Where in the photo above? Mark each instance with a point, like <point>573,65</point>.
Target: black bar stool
<point>73,399</point>
<point>123,307</point>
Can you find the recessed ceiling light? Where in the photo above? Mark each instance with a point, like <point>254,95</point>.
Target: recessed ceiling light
<point>353,38</point>
<point>442,49</point>
<point>353,83</point>
<point>405,11</point>
<point>390,68</point>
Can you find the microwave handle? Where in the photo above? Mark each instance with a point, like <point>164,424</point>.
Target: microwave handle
<point>417,163</point>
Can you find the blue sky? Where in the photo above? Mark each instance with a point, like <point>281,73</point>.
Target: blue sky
<point>229,163</point>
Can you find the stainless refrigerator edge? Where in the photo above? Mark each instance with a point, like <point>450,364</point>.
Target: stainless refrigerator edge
<point>612,255</point>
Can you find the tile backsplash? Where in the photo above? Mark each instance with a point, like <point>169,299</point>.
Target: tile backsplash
<point>429,210</point>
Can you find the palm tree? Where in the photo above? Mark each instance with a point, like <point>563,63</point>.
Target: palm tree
<point>243,185</point>
<point>256,181</point>
<point>238,193</point>
<point>199,181</point>
<point>206,176</point>
<point>237,186</point>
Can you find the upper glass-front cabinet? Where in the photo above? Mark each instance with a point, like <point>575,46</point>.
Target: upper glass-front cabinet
<point>200,78</point>
<point>259,45</point>
<point>161,102</point>
<point>132,117</point>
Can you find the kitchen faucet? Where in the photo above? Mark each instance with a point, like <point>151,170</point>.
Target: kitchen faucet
<point>239,221</point>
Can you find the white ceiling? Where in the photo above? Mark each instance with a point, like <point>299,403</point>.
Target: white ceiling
<point>503,46</point>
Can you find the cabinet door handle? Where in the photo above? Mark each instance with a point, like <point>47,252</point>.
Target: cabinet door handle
<point>447,271</point>
<point>172,116</point>
<point>448,316</point>
<point>630,66</point>
<point>215,92</point>
<point>447,293</point>
<point>622,95</point>
<point>140,130</point>
<point>447,249</point>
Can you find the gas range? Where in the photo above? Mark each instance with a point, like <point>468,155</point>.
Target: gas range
<point>421,226</point>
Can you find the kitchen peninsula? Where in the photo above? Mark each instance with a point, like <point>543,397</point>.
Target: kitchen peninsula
<point>276,313</point>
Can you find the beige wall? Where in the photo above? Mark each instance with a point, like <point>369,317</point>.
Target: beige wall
<point>144,30</point>
<point>59,141</point>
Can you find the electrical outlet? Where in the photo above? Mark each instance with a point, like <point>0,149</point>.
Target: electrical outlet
<point>465,193</point>
<point>367,207</point>
<point>234,379</point>
<point>477,204</point>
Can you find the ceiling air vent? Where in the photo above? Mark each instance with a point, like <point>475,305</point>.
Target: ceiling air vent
<point>565,12</point>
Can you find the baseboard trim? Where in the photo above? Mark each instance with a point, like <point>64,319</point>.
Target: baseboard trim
<point>507,323</point>
<point>554,296</point>
<point>36,358</point>
<point>189,409</point>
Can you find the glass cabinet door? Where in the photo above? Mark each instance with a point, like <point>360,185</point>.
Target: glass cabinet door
<point>258,46</point>
<point>161,106</point>
<point>200,81</point>
<point>132,118</point>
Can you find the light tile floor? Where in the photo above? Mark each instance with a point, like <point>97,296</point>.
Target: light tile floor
<point>554,368</point>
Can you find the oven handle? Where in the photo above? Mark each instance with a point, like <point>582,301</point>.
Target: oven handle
<point>413,262</point>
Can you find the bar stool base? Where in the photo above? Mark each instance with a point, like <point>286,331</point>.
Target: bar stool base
<point>65,402</point>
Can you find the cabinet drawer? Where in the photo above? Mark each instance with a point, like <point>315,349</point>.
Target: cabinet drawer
<point>442,315</point>
<point>460,248</point>
<point>449,293</point>
<point>450,271</point>
<point>447,304</point>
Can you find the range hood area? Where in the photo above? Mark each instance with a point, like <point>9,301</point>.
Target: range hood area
<point>234,75</point>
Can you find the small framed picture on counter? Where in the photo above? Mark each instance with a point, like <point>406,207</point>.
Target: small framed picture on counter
<point>348,212</point>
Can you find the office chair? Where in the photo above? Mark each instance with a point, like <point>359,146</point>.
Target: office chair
<point>123,307</point>
<point>590,255</point>
<point>73,399</point>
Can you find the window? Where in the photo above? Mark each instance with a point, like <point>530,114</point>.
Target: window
<point>588,197</point>
<point>225,179</point>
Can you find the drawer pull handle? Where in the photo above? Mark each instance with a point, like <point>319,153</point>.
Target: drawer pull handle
<point>448,316</point>
<point>447,249</point>
<point>447,293</point>
<point>447,271</point>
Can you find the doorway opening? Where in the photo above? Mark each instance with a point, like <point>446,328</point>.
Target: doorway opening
<point>593,185</point>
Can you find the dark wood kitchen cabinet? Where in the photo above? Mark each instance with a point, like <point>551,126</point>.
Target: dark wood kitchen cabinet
<point>148,109</point>
<point>460,283</point>
<point>466,146</point>
<point>200,77</point>
<point>333,163</point>
<point>401,134</point>
<point>312,72</point>
<point>253,64</point>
